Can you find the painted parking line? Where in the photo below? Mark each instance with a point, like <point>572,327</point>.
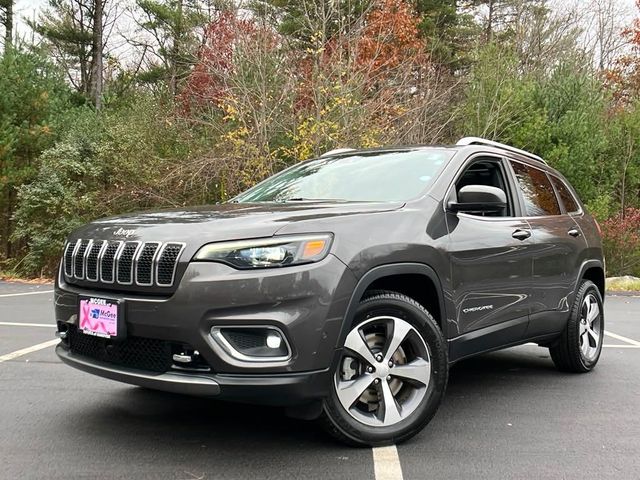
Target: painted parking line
<point>622,339</point>
<point>24,351</point>
<point>25,293</point>
<point>386,463</point>
<point>606,345</point>
<point>21,324</point>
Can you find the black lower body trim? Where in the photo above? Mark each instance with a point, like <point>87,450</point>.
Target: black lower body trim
<point>278,390</point>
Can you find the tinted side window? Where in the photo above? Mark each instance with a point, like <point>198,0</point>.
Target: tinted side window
<point>539,196</point>
<point>570,204</point>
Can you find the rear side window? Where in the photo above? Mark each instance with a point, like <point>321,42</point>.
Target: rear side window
<point>539,197</point>
<point>569,201</point>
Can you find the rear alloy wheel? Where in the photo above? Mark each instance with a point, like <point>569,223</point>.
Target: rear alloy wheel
<point>578,349</point>
<point>392,374</point>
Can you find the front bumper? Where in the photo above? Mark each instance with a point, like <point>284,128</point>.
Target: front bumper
<point>307,303</point>
<point>280,389</point>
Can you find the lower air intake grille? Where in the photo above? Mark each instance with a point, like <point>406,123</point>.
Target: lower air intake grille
<point>134,352</point>
<point>245,339</point>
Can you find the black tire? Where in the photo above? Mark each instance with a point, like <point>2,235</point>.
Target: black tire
<point>340,424</point>
<point>567,354</point>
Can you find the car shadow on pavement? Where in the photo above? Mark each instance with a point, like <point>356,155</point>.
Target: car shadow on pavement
<point>133,415</point>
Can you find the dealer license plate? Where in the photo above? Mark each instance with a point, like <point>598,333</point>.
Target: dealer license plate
<point>98,317</point>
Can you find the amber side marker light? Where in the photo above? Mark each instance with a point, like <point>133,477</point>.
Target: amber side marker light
<point>313,248</point>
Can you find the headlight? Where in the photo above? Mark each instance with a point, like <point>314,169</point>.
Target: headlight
<point>268,252</point>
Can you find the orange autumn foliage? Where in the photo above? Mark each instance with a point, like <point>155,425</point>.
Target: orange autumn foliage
<point>624,78</point>
<point>390,37</point>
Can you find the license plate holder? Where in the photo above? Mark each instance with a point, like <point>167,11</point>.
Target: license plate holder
<point>101,317</point>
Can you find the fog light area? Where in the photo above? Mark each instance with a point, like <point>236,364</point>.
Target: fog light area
<point>252,343</point>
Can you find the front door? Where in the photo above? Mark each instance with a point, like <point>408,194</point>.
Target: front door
<point>491,265</point>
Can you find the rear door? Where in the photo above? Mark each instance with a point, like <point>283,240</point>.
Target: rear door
<point>557,240</point>
<point>491,266</point>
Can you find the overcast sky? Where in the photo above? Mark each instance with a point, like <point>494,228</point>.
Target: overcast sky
<point>30,8</point>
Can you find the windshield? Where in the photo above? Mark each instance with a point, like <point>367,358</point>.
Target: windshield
<point>377,176</point>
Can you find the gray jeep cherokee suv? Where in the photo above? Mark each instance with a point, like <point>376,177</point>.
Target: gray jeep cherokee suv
<point>343,287</point>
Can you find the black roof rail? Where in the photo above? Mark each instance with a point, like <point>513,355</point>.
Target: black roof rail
<point>491,143</point>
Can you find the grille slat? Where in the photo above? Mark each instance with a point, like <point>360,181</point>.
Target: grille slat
<point>144,263</point>
<point>107,262</point>
<point>121,263</point>
<point>92,260</point>
<point>68,259</point>
<point>78,260</point>
<point>167,261</point>
<point>125,263</point>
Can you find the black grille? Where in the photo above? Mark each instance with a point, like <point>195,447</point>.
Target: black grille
<point>120,263</point>
<point>144,267</point>
<point>106,268</point>
<point>125,262</point>
<point>92,260</point>
<point>68,259</point>
<point>133,352</point>
<point>167,263</point>
<point>78,266</point>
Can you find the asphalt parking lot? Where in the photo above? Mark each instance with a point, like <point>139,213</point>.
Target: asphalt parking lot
<point>507,414</point>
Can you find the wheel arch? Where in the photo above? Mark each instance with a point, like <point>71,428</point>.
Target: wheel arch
<point>398,278</point>
<point>593,270</point>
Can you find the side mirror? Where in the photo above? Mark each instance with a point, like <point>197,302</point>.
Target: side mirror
<point>479,198</point>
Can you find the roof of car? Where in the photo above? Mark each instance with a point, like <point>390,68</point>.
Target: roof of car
<point>468,143</point>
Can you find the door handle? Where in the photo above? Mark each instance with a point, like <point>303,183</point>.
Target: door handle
<point>574,232</point>
<point>521,234</point>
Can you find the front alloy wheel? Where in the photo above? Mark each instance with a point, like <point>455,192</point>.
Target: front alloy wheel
<point>385,371</point>
<point>392,373</point>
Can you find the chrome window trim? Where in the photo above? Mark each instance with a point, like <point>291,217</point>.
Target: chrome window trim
<point>153,260</point>
<point>135,252</point>
<point>175,265</point>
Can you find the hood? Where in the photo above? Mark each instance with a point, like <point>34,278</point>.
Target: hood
<point>229,221</point>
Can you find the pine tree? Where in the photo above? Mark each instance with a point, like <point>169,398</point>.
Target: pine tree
<point>172,24</point>
<point>448,31</point>
<point>306,20</point>
<point>6,6</point>
<point>73,31</point>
